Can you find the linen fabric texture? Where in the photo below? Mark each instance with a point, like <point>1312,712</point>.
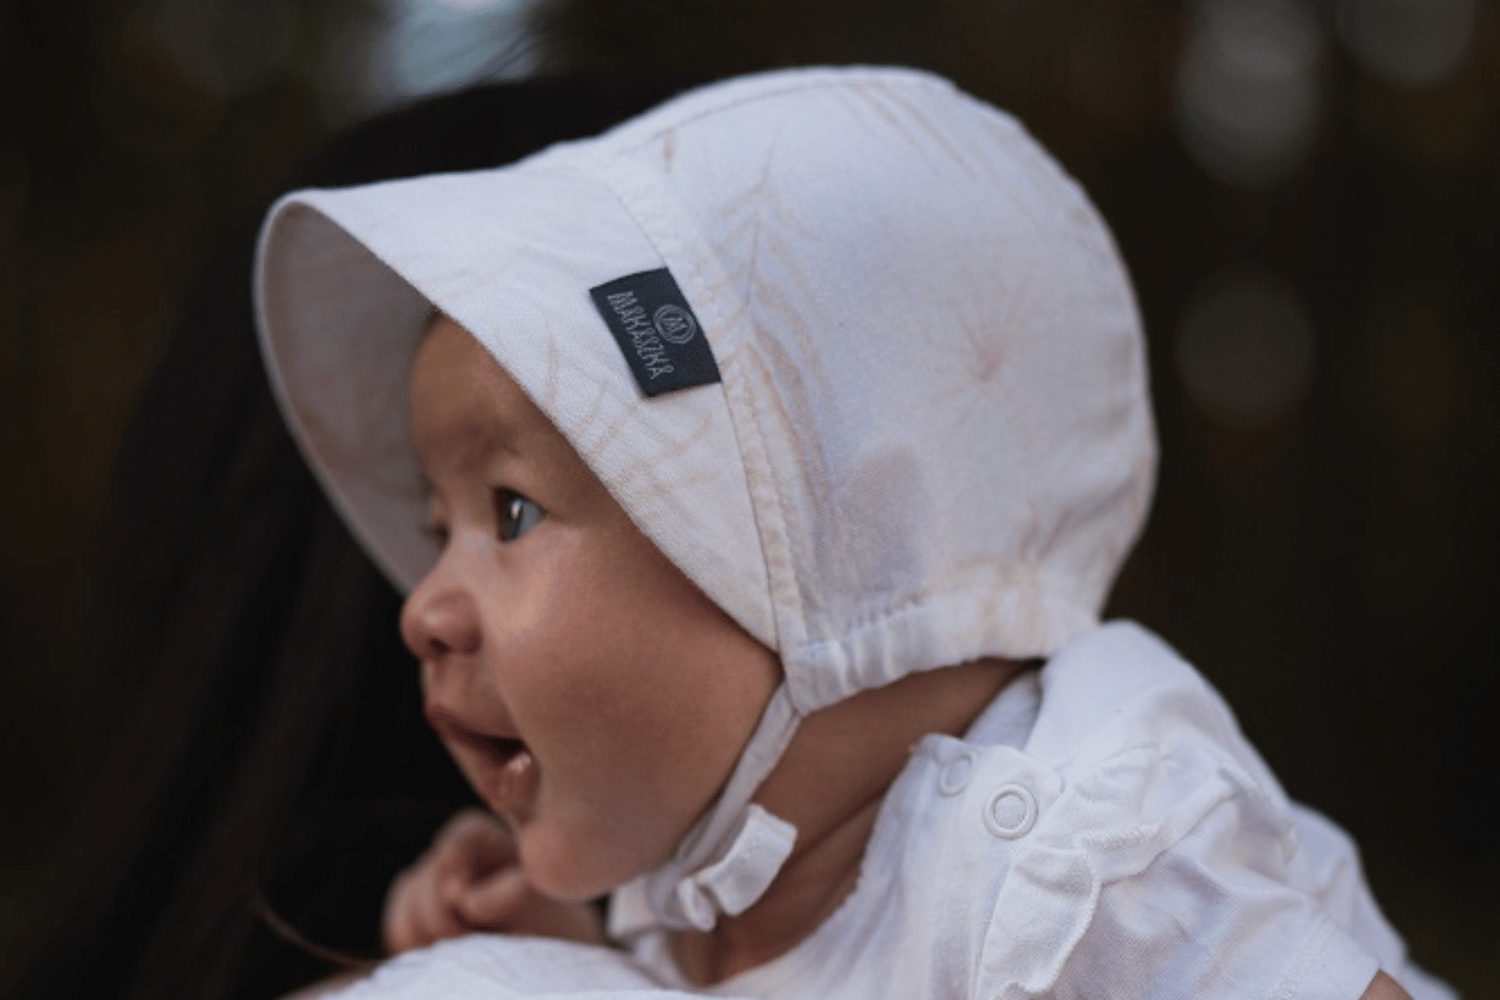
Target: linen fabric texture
<point>931,441</point>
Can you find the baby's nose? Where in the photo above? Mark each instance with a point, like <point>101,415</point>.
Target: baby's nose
<point>439,618</point>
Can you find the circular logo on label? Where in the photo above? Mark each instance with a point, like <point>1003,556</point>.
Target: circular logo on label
<point>675,324</point>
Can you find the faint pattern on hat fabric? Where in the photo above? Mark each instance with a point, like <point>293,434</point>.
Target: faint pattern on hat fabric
<point>940,356</point>
<point>932,441</point>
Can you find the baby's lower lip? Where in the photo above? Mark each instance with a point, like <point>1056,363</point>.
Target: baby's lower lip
<point>514,787</point>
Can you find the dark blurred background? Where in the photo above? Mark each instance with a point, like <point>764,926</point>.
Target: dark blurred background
<point>1308,195</point>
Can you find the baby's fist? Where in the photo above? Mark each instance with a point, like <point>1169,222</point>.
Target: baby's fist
<point>469,881</point>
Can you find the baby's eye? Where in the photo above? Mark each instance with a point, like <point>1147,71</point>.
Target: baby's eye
<point>515,515</point>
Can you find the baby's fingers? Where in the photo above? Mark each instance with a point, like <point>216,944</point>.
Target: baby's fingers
<point>494,903</point>
<point>424,902</point>
<point>474,843</point>
<point>419,911</point>
<point>508,902</point>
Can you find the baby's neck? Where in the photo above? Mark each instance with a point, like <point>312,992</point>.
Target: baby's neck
<point>829,784</point>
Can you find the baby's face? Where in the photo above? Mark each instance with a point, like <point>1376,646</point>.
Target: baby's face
<point>592,695</point>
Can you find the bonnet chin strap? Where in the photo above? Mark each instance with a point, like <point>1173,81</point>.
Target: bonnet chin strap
<point>730,857</point>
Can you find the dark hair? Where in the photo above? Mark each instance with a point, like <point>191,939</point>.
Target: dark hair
<point>249,677</point>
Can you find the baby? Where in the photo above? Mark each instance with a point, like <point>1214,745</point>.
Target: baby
<point>743,464</point>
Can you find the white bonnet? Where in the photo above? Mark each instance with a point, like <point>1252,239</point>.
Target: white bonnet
<point>931,439</point>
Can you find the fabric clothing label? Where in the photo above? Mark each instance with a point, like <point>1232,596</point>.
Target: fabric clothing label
<point>657,332</point>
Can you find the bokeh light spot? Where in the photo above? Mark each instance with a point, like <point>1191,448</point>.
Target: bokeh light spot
<point>435,45</point>
<point>150,108</point>
<point>1247,88</point>
<point>1412,43</point>
<point>1245,350</point>
<point>226,46</point>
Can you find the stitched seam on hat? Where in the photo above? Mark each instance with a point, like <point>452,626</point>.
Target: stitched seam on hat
<point>767,505</point>
<point>1052,590</point>
<point>1060,611</point>
<point>781,573</point>
<point>732,373</point>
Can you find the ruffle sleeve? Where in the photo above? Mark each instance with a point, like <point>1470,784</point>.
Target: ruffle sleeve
<point>1167,864</point>
<point>1107,899</point>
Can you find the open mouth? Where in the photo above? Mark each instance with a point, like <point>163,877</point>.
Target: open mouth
<point>509,777</point>
<point>499,750</point>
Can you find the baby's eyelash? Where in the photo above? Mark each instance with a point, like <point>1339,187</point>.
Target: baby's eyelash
<point>514,516</point>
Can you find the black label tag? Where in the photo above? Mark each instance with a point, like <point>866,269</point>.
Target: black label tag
<point>657,332</point>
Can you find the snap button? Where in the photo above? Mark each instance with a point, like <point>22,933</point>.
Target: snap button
<point>1010,811</point>
<point>956,772</point>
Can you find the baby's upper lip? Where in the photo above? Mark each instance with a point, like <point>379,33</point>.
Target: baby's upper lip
<point>454,726</point>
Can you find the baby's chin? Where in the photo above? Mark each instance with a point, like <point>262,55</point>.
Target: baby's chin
<point>575,849</point>
<point>564,869</point>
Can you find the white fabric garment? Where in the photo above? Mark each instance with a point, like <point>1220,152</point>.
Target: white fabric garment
<point>931,440</point>
<point>1133,844</point>
<point>491,967</point>
<point>1101,832</point>
<point>1128,843</point>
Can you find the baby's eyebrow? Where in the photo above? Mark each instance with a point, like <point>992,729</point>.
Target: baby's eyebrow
<point>473,442</point>
<point>483,438</point>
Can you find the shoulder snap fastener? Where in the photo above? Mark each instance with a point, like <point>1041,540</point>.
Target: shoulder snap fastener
<point>956,772</point>
<point>1010,811</point>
